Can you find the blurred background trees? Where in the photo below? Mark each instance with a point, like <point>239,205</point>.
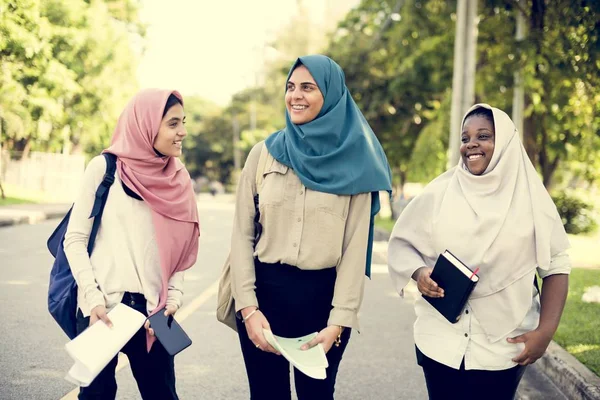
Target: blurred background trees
<point>68,67</point>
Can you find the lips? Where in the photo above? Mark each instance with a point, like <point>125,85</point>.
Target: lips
<point>474,156</point>
<point>298,107</point>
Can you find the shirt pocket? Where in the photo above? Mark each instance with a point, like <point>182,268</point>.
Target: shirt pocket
<point>332,204</point>
<point>272,190</point>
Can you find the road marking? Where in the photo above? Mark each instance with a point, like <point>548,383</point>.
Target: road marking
<point>16,283</point>
<point>181,315</point>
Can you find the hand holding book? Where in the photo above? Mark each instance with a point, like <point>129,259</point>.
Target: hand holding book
<point>448,286</point>
<point>425,284</point>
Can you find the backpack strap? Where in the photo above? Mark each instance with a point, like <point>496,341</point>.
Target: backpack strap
<point>101,196</point>
<point>260,169</point>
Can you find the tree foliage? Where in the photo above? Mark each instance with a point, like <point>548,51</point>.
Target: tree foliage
<point>66,70</point>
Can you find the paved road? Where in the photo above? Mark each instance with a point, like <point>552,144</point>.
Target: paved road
<point>379,363</point>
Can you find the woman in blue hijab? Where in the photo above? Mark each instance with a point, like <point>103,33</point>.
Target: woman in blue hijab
<point>317,182</point>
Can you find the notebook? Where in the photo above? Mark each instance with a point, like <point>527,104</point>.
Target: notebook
<point>457,280</point>
<point>311,362</point>
<point>98,344</point>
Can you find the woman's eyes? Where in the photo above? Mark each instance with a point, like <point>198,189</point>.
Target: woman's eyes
<point>306,88</point>
<point>465,139</point>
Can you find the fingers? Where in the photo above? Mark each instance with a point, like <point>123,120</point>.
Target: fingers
<point>254,327</point>
<point>429,287</point>
<point>521,358</point>
<point>170,310</point>
<point>147,327</point>
<point>518,339</point>
<point>106,320</point>
<point>312,343</point>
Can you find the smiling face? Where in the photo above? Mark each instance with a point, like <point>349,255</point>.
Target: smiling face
<point>168,142</point>
<point>303,98</point>
<point>478,138</point>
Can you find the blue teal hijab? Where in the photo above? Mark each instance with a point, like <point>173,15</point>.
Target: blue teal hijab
<point>337,152</point>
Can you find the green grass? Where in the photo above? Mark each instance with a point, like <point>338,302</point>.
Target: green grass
<point>579,329</point>
<point>385,224</point>
<point>13,200</point>
<point>584,250</point>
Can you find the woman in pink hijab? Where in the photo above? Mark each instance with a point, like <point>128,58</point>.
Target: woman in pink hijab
<point>148,236</point>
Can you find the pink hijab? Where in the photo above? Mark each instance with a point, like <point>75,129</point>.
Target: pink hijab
<point>163,183</point>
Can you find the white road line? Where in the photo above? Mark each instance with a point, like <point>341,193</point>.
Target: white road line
<point>181,315</point>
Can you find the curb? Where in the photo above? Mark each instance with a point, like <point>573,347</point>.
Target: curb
<point>569,375</point>
<point>573,378</point>
<point>32,218</point>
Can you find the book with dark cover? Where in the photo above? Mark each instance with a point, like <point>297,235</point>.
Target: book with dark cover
<point>457,280</point>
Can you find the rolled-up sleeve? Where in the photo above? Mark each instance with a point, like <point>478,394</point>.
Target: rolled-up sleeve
<point>559,264</point>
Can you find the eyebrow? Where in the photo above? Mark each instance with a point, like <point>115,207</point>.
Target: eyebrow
<point>479,130</point>
<point>175,119</point>
<point>303,83</point>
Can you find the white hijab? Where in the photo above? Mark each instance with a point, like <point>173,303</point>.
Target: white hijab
<point>502,221</point>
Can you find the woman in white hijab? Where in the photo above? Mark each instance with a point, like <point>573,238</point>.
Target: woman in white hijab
<point>493,213</point>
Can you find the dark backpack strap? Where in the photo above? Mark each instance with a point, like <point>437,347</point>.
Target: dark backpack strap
<point>101,196</point>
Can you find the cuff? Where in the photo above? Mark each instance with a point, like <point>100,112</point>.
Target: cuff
<point>245,300</point>
<point>344,317</point>
<point>95,298</point>
<point>174,298</point>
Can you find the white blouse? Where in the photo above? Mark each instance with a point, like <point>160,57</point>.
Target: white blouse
<point>449,343</point>
<point>125,256</point>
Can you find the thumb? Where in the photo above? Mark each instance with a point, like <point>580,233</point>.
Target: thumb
<point>518,339</point>
<point>106,320</point>
<point>265,324</point>
<point>311,344</point>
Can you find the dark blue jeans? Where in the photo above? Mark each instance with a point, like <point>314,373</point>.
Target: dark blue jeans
<point>154,372</point>
<point>296,303</point>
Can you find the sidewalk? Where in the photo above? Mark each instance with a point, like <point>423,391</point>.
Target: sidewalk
<point>33,213</point>
<point>30,213</point>
<point>556,376</point>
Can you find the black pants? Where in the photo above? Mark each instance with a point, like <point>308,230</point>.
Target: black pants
<point>296,303</point>
<point>154,372</point>
<point>444,382</point>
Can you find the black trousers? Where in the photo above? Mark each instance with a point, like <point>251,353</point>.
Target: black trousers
<point>296,303</point>
<point>445,383</point>
<point>154,372</point>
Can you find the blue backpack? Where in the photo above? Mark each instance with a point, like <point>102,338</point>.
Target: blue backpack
<point>62,291</point>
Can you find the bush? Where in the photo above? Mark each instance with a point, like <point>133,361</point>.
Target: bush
<point>577,215</point>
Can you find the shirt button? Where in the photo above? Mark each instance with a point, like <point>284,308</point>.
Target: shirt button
<point>132,303</point>
<point>466,335</point>
<point>302,192</point>
<point>299,219</point>
<point>466,311</point>
<point>295,244</point>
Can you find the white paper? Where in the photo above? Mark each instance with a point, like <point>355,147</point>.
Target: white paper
<point>311,362</point>
<point>93,349</point>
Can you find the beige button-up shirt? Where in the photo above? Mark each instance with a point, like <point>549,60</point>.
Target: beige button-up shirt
<point>308,229</point>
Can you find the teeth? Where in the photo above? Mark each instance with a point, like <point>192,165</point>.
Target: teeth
<point>475,156</point>
<point>297,107</point>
